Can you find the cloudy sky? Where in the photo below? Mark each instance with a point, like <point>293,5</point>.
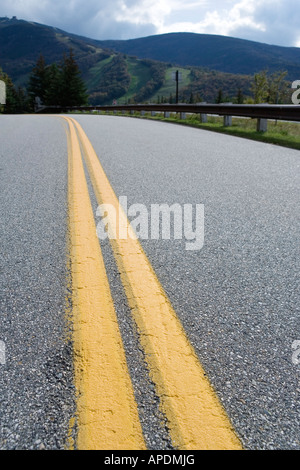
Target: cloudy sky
<point>269,21</point>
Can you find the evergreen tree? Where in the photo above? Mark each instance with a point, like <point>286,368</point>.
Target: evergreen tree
<point>16,99</point>
<point>38,81</point>
<point>57,85</point>
<point>240,97</point>
<point>22,104</point>
<point>53,81</point>
<point>72,90</point>
<point>220,97</point>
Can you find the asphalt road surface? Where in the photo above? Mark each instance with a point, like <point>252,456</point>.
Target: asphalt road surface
<point>237,296</point>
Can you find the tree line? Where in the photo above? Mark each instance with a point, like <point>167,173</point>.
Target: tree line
<point>16,97</point>
<point>53,85</point>
<point>62,85</point>
<point>221,87</point>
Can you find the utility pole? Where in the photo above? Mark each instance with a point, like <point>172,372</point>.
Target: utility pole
<point>177,76</point>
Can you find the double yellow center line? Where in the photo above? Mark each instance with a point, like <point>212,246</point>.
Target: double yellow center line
<point>107,411</point>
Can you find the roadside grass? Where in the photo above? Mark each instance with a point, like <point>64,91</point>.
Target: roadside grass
<point>282,133</point>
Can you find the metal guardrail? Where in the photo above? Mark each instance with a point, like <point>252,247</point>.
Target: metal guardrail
<point>256,111</point>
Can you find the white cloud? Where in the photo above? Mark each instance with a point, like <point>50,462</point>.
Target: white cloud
<point>143,12</point>
<point>221,22</point>
<point>270,21</point>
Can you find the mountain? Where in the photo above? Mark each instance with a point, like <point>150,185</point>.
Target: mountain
<point>221,53</point>
<point>22,42</point>
<point>141,69</point>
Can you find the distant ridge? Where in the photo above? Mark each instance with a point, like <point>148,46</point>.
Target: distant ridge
<point>223,53</point>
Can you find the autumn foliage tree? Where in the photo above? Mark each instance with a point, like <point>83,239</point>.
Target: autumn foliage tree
<point>268,88</point>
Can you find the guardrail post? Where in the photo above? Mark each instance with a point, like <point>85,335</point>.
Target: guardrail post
<point>153,113</point>
<point>142,113</point>
<point>227,121</point>
<point>182,115</point>
<point>262,125</point>
<point>167,114</point>
<point>203,118</point>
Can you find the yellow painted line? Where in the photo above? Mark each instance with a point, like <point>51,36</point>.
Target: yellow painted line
<point>195,416</point>
<point>107,412</point>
